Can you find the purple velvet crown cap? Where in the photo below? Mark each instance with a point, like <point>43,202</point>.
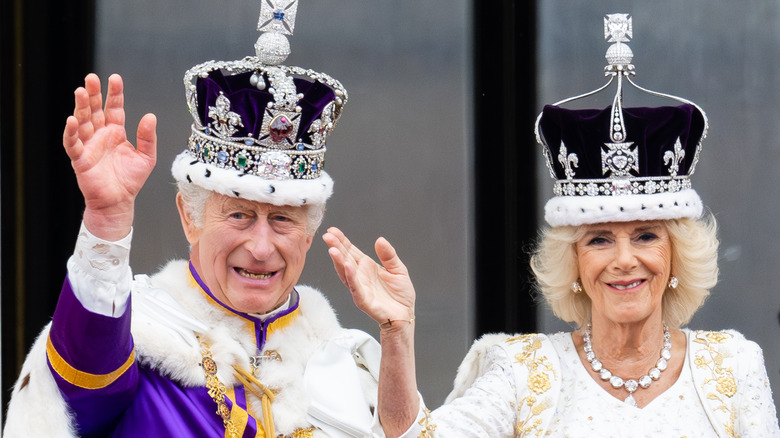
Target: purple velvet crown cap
<point>644,176</point>
<point>250,103</point>
<point>654,131</point>
<point>260,131</point>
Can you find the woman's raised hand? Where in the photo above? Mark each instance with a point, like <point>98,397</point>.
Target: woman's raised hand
<point>384,292</point>
<point>110,171</point>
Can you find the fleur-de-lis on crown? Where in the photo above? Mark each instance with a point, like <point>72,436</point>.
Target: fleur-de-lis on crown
<point>567,161</point>
<point>321,127</point>
<point>675,158</point>
<point>225,121</point>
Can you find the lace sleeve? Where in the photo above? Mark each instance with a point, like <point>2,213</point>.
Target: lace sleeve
<point>487,408</point>
<point>99,273</point>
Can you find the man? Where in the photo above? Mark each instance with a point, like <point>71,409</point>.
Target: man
<point>225,344</point>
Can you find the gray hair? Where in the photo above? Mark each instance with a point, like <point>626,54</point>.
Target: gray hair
<point>195,198</point>
<point>694,263</point>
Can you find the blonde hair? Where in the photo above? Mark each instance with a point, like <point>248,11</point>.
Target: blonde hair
<point>694,263</point>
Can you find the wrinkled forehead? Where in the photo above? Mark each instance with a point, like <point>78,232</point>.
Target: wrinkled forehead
<point>224,202</point>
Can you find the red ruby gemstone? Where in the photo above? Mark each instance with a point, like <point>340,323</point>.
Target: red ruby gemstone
<point>280,129</point>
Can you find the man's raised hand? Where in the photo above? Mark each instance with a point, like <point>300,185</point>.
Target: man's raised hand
<point>109,169</point>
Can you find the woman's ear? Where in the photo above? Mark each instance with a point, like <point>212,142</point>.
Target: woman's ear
<point>191,231</point>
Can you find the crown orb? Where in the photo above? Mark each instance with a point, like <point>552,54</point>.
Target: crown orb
<point>619,54</point>
<point>272,48</point>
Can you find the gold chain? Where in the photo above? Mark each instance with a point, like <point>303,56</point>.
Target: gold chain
<point>217,390</point>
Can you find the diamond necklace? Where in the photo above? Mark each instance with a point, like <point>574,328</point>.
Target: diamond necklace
<point>630,385</point>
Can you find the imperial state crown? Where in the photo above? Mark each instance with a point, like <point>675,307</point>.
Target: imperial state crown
<point>259,127</point>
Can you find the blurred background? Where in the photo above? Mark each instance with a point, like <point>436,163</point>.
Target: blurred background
<point>435,150</point>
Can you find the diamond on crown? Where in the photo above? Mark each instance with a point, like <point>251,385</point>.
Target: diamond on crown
<point>225,121</point>
<point>618,29</point>
<point>268,163</point>
<point>277,16</point>
<point>610,187</point>
<point>673,159</point>
<point>568,161</point>
<point>619,159</point>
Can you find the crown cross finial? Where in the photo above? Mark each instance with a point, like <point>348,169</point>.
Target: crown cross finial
<point>277,19</point>
<point>618,29</point>
<point>277,16</point>
<point>225,120</point>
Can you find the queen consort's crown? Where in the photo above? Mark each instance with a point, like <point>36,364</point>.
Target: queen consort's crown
<point>616,163</point>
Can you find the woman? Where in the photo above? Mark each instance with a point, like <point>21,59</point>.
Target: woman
<point>630,256</point>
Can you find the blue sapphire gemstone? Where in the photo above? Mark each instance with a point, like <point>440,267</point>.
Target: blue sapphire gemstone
<point>279,15</point>
<point>222,156</point>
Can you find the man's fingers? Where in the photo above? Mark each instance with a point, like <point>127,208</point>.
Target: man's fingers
<point>146,136</point>
<point>115,101</point>
<point>388,256</point>
<point>339,240</point>
<point>95,95</point>
<point>347,246</point>
<point>83,113</point>
<point>346,266</point>
<point>338,263</point>
<point>331,238</point>
<point>70,138</point>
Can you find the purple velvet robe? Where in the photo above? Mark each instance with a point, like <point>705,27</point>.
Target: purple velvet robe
<point>92,359</point>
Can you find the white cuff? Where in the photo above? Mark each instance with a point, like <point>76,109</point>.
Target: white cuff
<point>99,273</point>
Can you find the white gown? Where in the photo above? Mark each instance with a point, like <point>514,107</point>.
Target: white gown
<point>536,385</point>
<point>585,409</point>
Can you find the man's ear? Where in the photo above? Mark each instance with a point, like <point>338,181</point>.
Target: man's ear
<point>191,231</point>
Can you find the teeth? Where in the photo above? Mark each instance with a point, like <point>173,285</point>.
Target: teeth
<point>260,276</point>
<point>627,286</point>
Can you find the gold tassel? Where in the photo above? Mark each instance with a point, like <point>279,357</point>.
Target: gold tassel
<point>262,392</point>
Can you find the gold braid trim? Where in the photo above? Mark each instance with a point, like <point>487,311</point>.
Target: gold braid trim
<point>216,389</point>
<point>428,427</point>
<point>265,395</point>
<point>302,433</point>
<point>218,393</point>
<point>722,384</point>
